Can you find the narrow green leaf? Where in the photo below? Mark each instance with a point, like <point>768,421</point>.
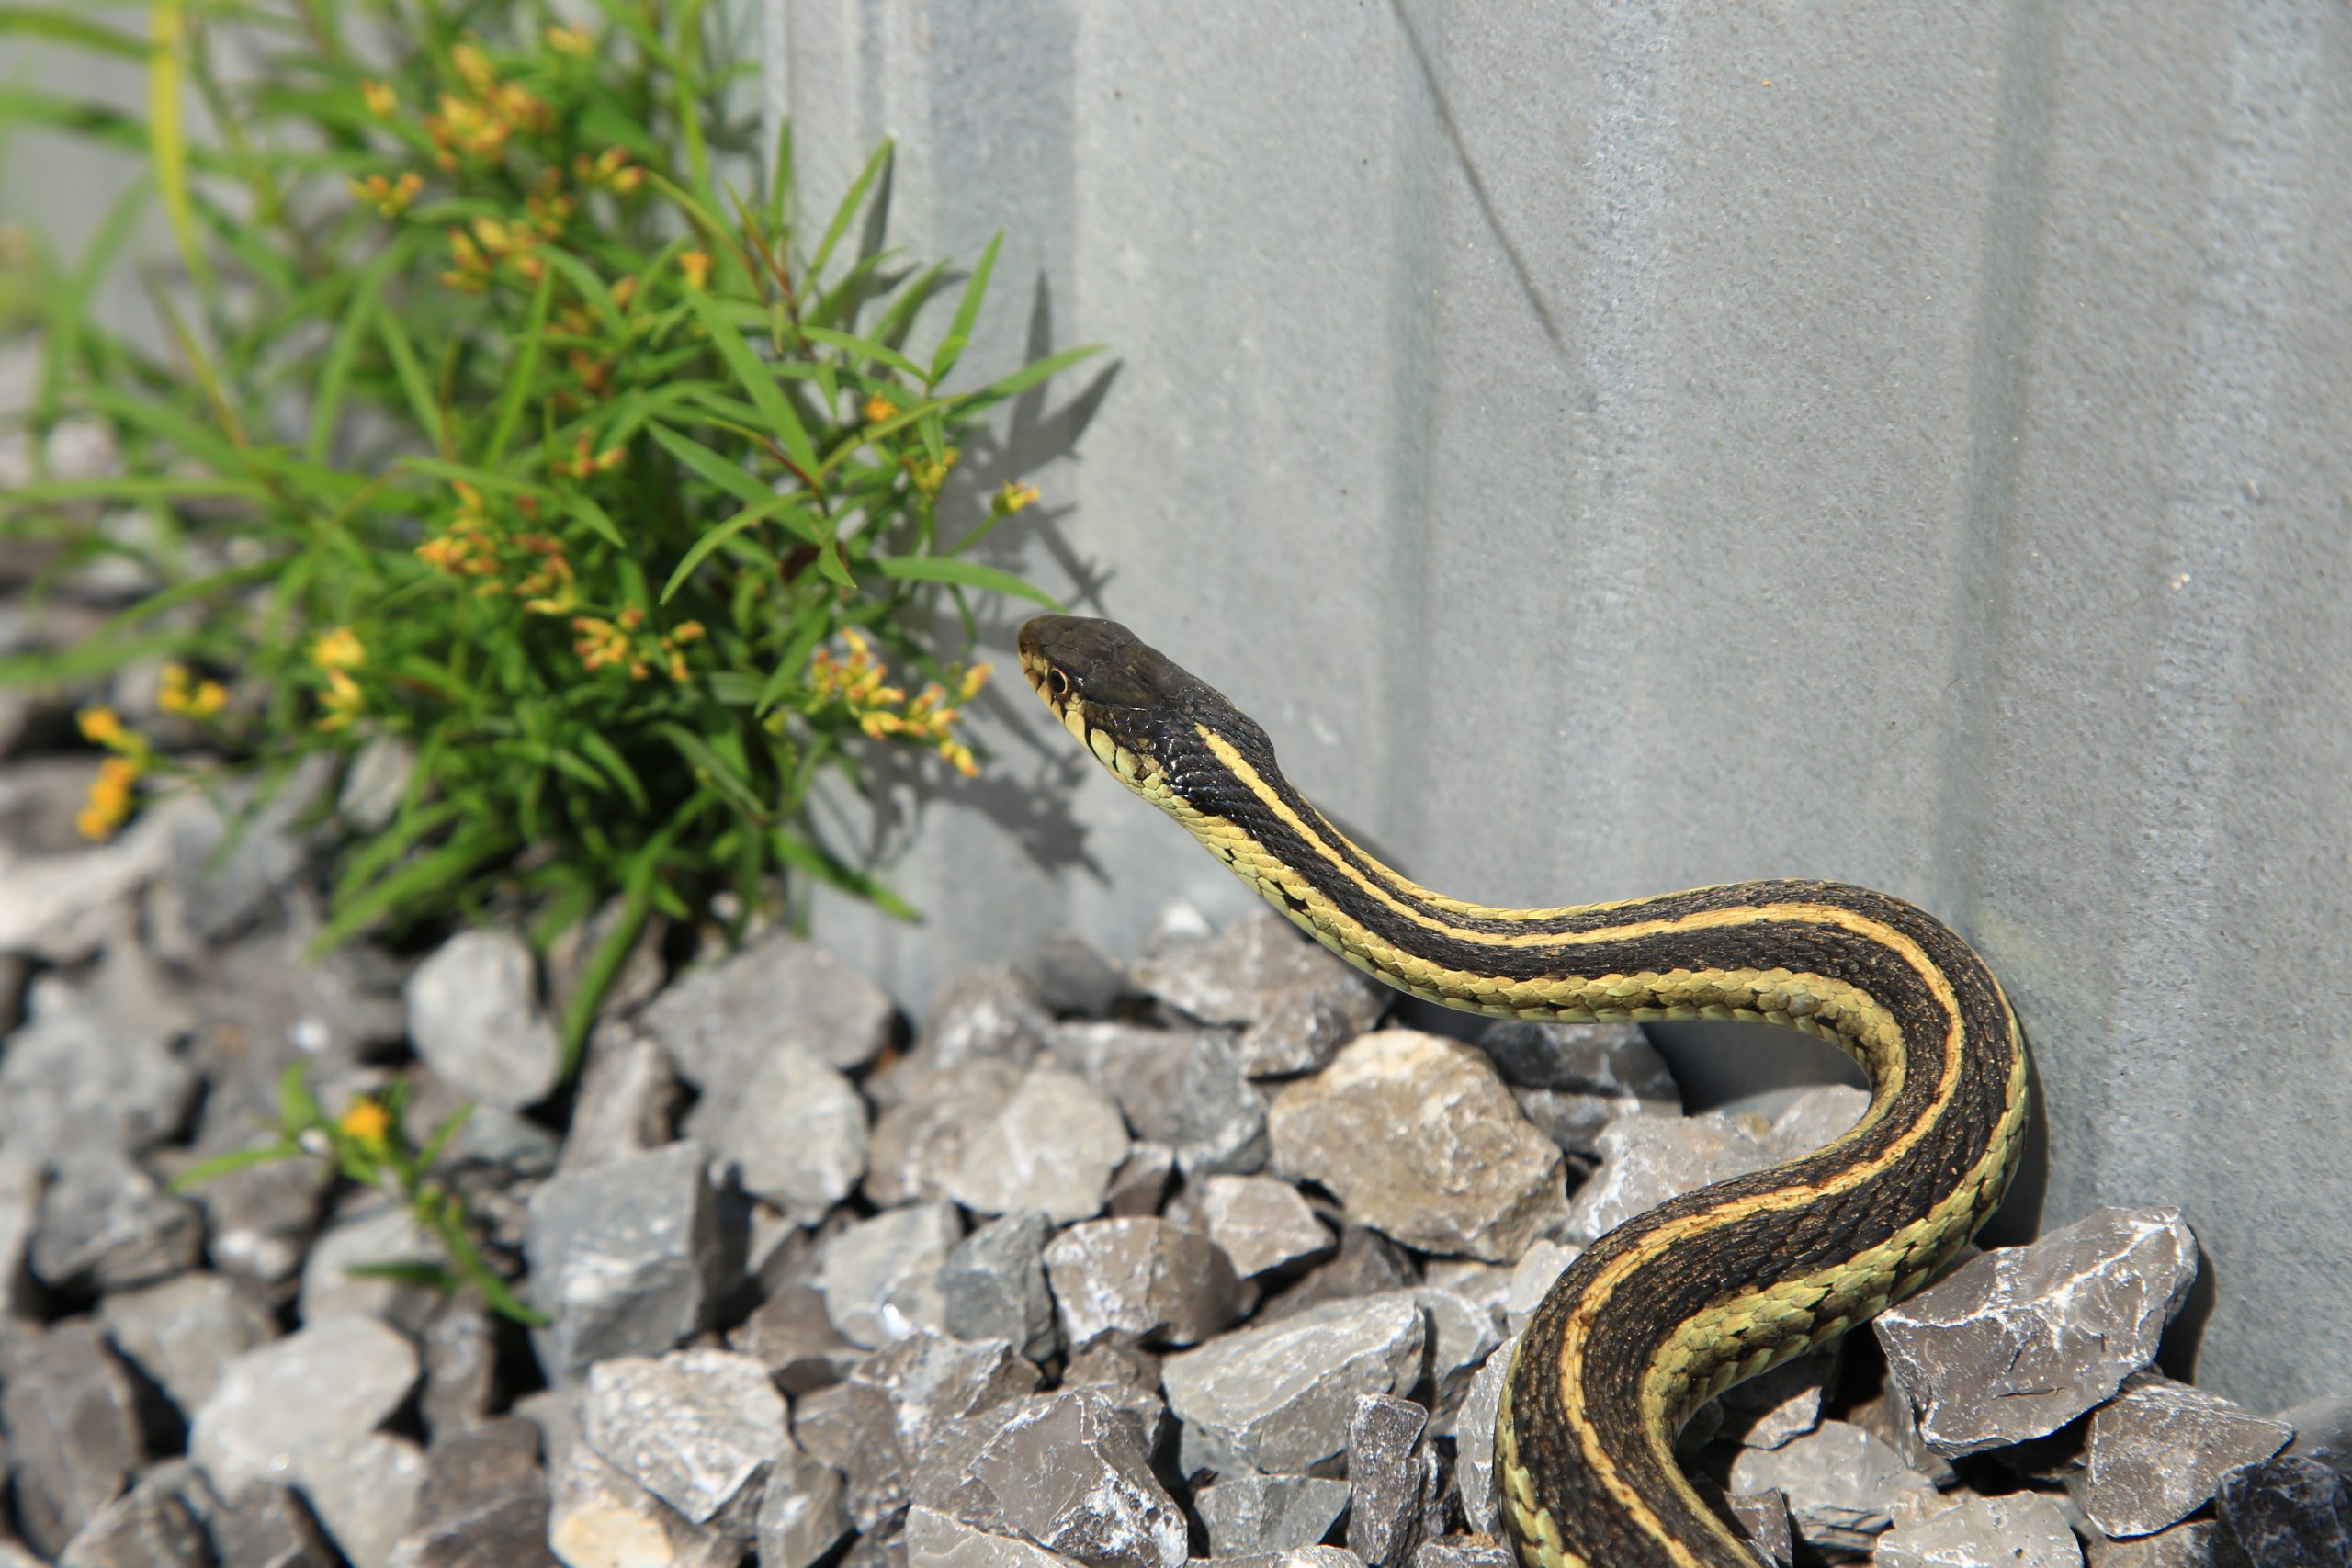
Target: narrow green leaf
<point>865,348</point>
<point>438,1144</point>
<point>407,1271</point>
<point>428,873</point>
<point>236,1159</point>
<point>736,482</point>
<point>334,373</point>
<point>590,287</point>
<point>759,511</point>
<point>588,512</point>
<point>130,489</point>
<point>298,1107</point>
<point>601,752</point>
<point>712,769</point>
<point>798,853</point>
<point>1020,380</point>
<point>520,373</point>
<point>422,405</point>
<point>968,313</point>
<point>971,574</point>
<point>766,396</point>
<point>167,136</point>
<point>847,210</point>
<point>64,27</point>
<point>53,667</point>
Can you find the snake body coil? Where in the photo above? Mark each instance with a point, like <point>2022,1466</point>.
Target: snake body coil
<point>1715,1286</point>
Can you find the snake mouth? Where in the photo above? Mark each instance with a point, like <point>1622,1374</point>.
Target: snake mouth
<point>1059,689</point>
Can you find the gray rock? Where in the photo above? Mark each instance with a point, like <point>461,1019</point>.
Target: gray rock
<point>1069,1471</point>
<point>268,1525</point>
<point>62,906</point>
<point>265,1418</point>
<point>1464,1326</point>
<point>853,1427</point>
<point>260,1219</point>
<point>474,1016</point>
<point>363,1490</point>
<point>2023,1530</point>
<point>637,981</point>
<point>1114,1365</point>
<point>803,1511</point>
<point>1473,1443</point>
<point>1277,1398</point>
<point>2290,1513</point>
<point>259,818</point>
<point>1140,1184</point>
<point>1075,977</point>
<point>934,1378</point>
<point>870,1261</point>
<point>151,1526</point>
<point>1262,1223</point>
<point>792,1130</point>
<point>72,1416</point>
<point>697,1428</point>
<point>1394,1476</point>
<point>1366,1264</point>
<point>21,1181</point>
<point>936,1541</point>
<point>718,1023</point>
<point>1138,1279</point>
<point>182,1332</point>
<point>1841,1483</point>
<point>993,1285</point>
<point>1052,1147</point>
<point>1298,1557</point>
<point>792,1336</point>
<point>918,1140</point>
<point>106,1223</point>
<point>372,1229</point>
<point>626,1097</point>
<point>1248,1514</point>
<point>623,1256</point>
<point>483,1503</point>
<point>332,1010</point>
<point>1183,1088</point>
<point>1463,1551</point>
<point>2322,1431</point>
<point>1775,1406</point>
<point>76,1080</point>
<point>2157,1453</point>
<point>1573,1079</point>
<point>1889,1419</point>
<point>375,781</point>
<point>598,1517</point>
<point>1645,1160</point>
<point>1294,1002</point>
<point>1764,1516</point>
<point>1532,1279</point>
<point>1419,1139</point>
<point>2018,1342</point>
<point>987,1011</point>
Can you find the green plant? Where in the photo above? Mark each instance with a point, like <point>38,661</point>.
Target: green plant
<point>369,1143</point>
<point>494,423</point>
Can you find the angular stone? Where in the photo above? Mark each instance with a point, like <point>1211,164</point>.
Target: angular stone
<point>1183,1088</point>
<point>1841,1483</point>
<point>1473,1443</point>
<point>1075,977</point>
<point>1394,1477</point>
<point>1768,1410</point>
<point>1573,1079</point>
<point>993,1285</point>
<point>695,1428</point>
<point>224,894</point>
<point>1114,1365</point>
<point>266,1416</point>
<point>1419,1139</point>
<point>867,1265</point>
<point>934,1378</point>
<point>460,1355</point>
<point>375,781</point>
<point>2322,1431</point>
<point>260,1219</point>
<point>72,1416</point>
<point>21,1181</point>
<point>182,1332</point>
<point>626,1097</point>
<point>363,1490</point>
<point>1764,1516</point>
<point>803,1511</point>
<point>1052,1148</point>
<point>372,1229</point>
<point>1277,1398</point>
<point>1298,1557</point>
<point>333,1010</point>
<point>2157,1453</point>
<point>598,1517</point>
<point>62,906</point>
<point>790,1334</point>
<point>1140,1184</point>
<point>1645,1160</point>
<point>1294,1002</point>
<point>718,1023</point>
<point>483,1503</point>
<point>151,1526</point>
<point>623,1256</point>
<point>853,1427</point>
<point>934,1540</point>
<point>268,1525</point>
<point>793,1132</point>
<point>2200,1543</point>
<point>2288,1513</point>
<point>1248,1515</point>
<point>2022,1528</point>
<point>474,1016</point>
<point>75,1082</point>
<point>1464,1326</point>
<point>1532,1279</point>
<point>106,1223</point>
<point>1070,1472</point>
<point>918,1141</point>
<point>637,981</point>
<point>1463,1551</point>
<point>2018,1342</point>
<point>1366,1264</point>
<point>1261,1221</point>
<point>990,1011</point>
<point>1140,1279</point>
<point>1889,1419</point>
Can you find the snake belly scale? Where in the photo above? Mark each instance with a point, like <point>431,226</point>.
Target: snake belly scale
<point>1712,1287</point>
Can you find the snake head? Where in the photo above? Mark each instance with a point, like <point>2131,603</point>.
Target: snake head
<point>1139,711</point>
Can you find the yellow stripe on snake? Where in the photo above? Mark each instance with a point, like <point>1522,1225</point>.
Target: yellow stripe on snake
<point>1715,1286</point>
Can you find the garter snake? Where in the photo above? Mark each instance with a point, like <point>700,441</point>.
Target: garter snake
<point>1715,1286</point>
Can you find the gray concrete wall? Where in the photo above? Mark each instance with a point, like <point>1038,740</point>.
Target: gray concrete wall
<point>1614,448</point>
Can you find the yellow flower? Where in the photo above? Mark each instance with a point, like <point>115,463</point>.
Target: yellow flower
<point>338,648</point>
<point>111,798</point>
<point>389,198</point>
<point>183,695</point>
<point>344,700</point>
<point>101,728</point>
<point>1014,498</point>
<point>382,102</point>
<point>368,1124</point>
<point>695,265</point>
<point>974,678</point>
<point>878,407</point>
<point>475,67</point>
<point>574,40</point>
<point>928,475</point>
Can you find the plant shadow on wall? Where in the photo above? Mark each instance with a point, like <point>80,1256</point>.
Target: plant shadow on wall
<point>501,441</point>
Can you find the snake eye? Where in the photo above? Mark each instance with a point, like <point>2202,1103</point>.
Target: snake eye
<point>1058,684</point>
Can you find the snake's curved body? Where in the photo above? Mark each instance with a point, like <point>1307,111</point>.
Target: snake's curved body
<point>1715,1286</point>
